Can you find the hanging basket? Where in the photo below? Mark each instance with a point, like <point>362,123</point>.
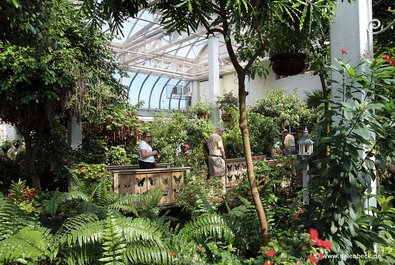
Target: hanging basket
<point>288,63</point>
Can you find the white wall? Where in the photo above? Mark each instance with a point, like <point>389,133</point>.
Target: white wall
<point>297,84</point>
<point>300,84</point>
<point>8,132</point>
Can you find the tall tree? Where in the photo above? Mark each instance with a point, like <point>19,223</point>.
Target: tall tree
<point>48,55</point>
<point>248,28</point>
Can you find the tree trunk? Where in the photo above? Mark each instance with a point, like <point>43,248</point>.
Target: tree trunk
<point>31,155</point>
<point>250,167</point>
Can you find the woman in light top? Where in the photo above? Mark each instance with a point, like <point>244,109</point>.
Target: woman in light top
<point>147,153</point>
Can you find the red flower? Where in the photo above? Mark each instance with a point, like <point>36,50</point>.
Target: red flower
<point>270,253</point>
<point>344,51</point>
<point>327,244</point>
<point>267,263</point>
<point>313,234</point>
<point>313,259</point>
<point>321,256</point>
<point>319,242</point>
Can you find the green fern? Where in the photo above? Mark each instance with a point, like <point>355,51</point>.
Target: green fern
<point>206,227</point>
<point>27,245</point>
<point>141,229</point>
<point>12,219</point>
<point>244,222</point>
<point>52,205</point>
<point>109,238</point>
<point>84,234</point>
<point>113,245</point>
<point>74,223</point>
<point>148,255</point>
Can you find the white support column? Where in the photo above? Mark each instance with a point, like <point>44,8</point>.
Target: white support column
<point>195,92</point>
<point>75,133</point>
<point>351,30</point>
<point>213,76</point>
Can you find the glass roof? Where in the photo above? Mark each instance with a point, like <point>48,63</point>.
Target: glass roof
<point>161,64</point>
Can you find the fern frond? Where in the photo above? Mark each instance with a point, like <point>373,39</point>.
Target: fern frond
<point>205,227</point>
<point>28,245</point>
<point>12,219</point>
<point>140,229</point>
<point>102,195</point>
<point>203,205</point>
<point>244,222</point>
<point>148,255</point>
<point>126,203</point>
<point>75,222</point>
<point>87,233</point>
<point>51,206</point>
<point>113,245</point>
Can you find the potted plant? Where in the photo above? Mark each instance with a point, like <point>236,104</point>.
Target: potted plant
<point>201,109</point>
<point>226,104</point>
<point>286,49</point>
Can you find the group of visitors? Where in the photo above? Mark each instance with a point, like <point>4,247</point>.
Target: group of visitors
<point>214,152</point>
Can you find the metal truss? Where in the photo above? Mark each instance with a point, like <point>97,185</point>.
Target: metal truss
<point>149,49</point>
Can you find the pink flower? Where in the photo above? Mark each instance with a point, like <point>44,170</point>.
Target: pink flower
<point>270,253</point>
<point>313,234</point>
<point>344,51</point>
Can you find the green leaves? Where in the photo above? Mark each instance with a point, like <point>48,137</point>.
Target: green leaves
<point>358,137</point>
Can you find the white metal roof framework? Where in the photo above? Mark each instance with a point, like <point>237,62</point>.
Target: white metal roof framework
<point>162,65</point>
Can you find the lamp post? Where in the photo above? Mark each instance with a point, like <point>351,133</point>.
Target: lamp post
<point>305,150</point>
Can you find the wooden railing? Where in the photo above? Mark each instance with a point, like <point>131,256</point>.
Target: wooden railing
<point>236,170</point>
<point>133,166</point>
<point>129,179</point>
<point>138,181</point>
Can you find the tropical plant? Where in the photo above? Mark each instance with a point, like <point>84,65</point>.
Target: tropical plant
<point>349,157</point>
<point>285,110</point>
<point>113,123</point>
<point>109,238</point>
<point>199,196</point>
<point>48,55</point>
<point>246,41</point>
<point>201,109</point>
<point>227,102</point>
<point>263,133</point>
<point>117,156</point>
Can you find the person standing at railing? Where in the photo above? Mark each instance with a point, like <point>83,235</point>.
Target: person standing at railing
<point>289,146</point>
<point>147,153</point>
<point>216,155</point>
